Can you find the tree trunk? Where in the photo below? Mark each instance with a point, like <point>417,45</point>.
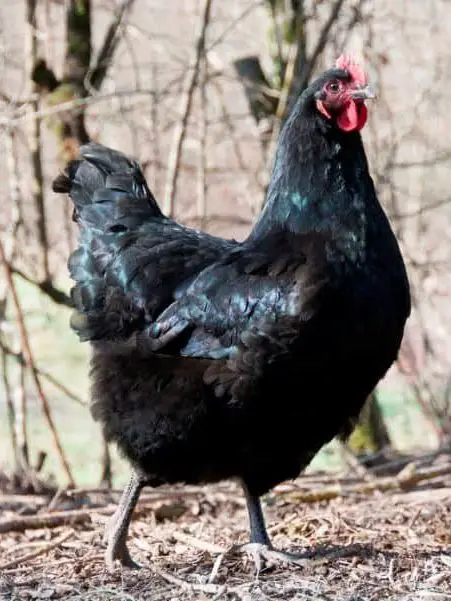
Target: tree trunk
<point>77,83</point>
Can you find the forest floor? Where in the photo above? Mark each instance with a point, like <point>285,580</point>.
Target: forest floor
<point>383,535</point>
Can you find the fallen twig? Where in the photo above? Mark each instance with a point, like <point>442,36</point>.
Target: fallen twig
<point>52,520</point>
<point>38,552</point>
<point>191,541</point>
<point>71,516</point>
<point>209,589</point>
<point>404,480</point>
<point>151,496</point>
<point>216,567</point>
<point>398,463</point>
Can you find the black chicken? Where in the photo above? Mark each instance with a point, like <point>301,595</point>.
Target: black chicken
<point>215,359</point>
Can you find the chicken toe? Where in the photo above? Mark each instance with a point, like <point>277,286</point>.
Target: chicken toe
<point>264,557</point>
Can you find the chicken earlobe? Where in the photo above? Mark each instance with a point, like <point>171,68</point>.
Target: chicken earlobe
<point>117,528</point>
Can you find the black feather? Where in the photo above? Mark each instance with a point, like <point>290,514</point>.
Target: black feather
<point>215,359</point>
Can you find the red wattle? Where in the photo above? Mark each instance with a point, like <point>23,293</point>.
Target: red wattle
<point>353,117</point>
<point>363,116</point>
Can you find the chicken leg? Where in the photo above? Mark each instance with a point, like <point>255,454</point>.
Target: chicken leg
<point>259,546</point>
<point>117,529</point>
<point>258,533</point>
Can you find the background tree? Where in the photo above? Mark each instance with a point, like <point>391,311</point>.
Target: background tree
<point>198,91</point>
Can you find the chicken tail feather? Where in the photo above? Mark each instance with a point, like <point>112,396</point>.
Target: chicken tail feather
<point>102,175</point>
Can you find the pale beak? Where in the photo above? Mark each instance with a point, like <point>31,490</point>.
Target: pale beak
<point>363,93</point>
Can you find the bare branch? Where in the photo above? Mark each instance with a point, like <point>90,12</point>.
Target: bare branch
<point>282,104</point>
<point>96,75</point>
<point>246,12</point>
<point>185,109</point>
<point>423,209</point>
<point>22,115</point>
<point>35,140</point>
<point>15,393</point>
<point>31,364</point>
<point>231,128</point>
<point>310,64</point>
<point>443,157</point>
<point>18,356</point>
<point>12,418</point>
<point>201,196</point>
<point>47,287</point>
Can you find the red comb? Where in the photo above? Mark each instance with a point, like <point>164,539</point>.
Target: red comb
<point>350,64</point>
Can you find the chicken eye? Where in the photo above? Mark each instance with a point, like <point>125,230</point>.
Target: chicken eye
<point>334,87</point>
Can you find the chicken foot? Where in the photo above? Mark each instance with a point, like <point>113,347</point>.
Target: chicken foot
<point>117,528</point>
<point>259,546</point>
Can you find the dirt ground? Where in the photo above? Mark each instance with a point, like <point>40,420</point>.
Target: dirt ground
<point>372,537</point>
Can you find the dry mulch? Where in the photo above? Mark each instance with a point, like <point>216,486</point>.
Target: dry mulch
<point>361,540</point>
